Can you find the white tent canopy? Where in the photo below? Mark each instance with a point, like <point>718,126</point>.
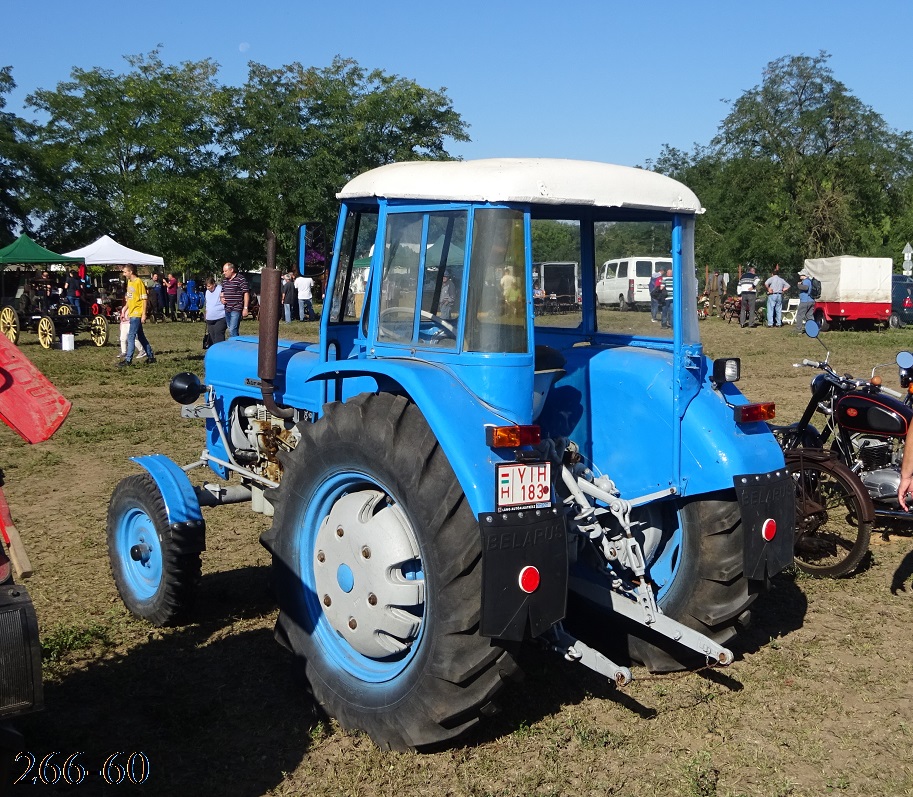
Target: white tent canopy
<point>108,252</point>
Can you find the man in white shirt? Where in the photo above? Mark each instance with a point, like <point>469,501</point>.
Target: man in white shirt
<point>776,287</point>
<point>305,287</point>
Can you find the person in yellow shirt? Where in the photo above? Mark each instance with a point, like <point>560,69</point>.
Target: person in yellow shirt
<point>135,308</point>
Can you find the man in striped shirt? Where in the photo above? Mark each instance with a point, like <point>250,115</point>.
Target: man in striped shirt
<point>235,297</point>
<point>667,305</point>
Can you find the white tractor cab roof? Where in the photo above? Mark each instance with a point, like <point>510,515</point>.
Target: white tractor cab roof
<point>549,181</point>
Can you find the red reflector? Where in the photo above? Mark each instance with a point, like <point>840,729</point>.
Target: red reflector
<point>769,529</point>
<point>529,579</point>
<point>852,412</point>
<point>512,436</point>
<point>749,413</point>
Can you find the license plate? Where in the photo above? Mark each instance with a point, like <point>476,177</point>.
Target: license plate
<point>524,485</point>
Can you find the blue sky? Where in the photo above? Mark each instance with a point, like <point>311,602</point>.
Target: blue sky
<point>608,81</point>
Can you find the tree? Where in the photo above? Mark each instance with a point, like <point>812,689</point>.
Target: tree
<point>799,168</point>
<point>14,155</point>
<point>133,155</point>
<point>296,135</point>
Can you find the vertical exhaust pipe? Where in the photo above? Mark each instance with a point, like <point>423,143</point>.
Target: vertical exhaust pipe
<point>269,330</point>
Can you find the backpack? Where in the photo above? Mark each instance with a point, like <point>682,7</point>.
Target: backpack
<point>656,287</point>
<point>815,292</point>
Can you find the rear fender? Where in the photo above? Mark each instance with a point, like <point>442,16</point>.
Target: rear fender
<point>455,414</point>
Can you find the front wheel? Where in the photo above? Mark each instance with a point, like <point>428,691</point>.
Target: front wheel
<point>832,521</point>
<point>377,568</point>
<point>156,569</point>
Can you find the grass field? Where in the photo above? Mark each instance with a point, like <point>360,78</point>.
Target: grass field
<point>819,701</point>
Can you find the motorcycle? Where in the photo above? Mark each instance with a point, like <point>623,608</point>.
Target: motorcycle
<point>847,474</point>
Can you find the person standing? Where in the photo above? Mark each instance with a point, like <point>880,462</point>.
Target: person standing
<point>717,292</point>
<point>305,288</point>
<point>288,296</point>
<point>776,287</point>
<point>235,298</point>
<point>72,288</point>
<point>657,297</point>
<point>667,302</point>
<point>214,312</point>
<point>806,311</point>
<point>171,291</point>
<point>748,291</point>
<point>448,297</point>
<point>135,307</point>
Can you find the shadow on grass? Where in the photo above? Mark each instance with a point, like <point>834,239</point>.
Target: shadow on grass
<point>217,707</point>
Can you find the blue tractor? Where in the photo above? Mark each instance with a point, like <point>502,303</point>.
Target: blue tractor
<point>445,467</point>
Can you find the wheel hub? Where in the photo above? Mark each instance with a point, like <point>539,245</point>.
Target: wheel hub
<point>367,573</point>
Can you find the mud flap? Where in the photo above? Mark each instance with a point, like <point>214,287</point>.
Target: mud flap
<point>512,542</point>
<point>768,505</point>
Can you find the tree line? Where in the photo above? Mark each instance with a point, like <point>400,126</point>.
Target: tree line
<point>168,159</point>
<point>799,168</point>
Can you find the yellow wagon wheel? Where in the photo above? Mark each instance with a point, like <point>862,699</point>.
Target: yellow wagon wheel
<point>64,309</point>
<point>9,324</point>
<point>47,332</point>
<point>98,329</point>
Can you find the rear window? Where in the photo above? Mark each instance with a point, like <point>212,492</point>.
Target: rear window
<point>644,268</point>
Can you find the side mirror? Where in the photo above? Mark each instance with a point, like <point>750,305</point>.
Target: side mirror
<point>312,249</point>
<point>812,329</point>
<point>905,360</point>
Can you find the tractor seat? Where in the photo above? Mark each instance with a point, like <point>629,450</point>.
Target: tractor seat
<point>549,368</point>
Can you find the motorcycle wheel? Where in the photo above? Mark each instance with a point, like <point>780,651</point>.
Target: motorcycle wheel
<point>832,529</point>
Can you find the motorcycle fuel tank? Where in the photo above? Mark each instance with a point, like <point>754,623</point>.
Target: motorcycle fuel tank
<point>874,414</point>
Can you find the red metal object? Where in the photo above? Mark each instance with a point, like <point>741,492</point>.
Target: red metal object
<point>29,403</point>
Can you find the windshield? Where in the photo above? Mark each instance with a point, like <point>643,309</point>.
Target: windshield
<point>496,301</point>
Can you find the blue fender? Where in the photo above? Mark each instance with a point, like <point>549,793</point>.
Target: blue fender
<point>181,502</point>
<point>455,414</point>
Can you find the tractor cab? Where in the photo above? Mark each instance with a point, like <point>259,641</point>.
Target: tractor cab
<point>447,264</point>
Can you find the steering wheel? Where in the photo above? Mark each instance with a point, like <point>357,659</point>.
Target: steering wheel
<point>446,326</point>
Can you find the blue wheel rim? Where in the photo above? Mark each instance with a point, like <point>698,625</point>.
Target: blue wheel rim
<point>666,562</point>
<point>336,650</point>
<point>142,578</point>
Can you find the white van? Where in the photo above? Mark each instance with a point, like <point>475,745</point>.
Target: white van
<point>626,282</point>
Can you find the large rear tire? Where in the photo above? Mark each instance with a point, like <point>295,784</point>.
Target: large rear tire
<point>155,571</point>
<point>377,567</point>
<point>699,574</point>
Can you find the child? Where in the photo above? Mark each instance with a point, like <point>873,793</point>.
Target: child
<point>124,331</point>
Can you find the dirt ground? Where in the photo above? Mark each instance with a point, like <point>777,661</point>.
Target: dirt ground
<point>820,699</point>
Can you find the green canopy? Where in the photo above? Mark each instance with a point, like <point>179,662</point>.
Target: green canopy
<point>24,250</point>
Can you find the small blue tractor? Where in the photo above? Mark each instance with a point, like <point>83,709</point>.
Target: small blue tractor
<point>445,467</point>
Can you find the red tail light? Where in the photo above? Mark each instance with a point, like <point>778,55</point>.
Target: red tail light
<point>751,413</point>
<point>512,436</point>
<point>630,285</point>
<point>907,303</point>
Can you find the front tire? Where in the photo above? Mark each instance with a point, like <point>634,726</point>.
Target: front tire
<point>155,572</point>
<point>832,530</point>
<point>377,567</point>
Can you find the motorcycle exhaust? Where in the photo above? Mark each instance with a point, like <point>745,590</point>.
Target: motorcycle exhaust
<point>269,330</point>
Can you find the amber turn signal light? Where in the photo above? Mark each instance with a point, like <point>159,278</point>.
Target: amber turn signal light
<point>751,413</point>
<point>512,436</point>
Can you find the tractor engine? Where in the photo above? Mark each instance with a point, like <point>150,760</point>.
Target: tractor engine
<point>257,437</point>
